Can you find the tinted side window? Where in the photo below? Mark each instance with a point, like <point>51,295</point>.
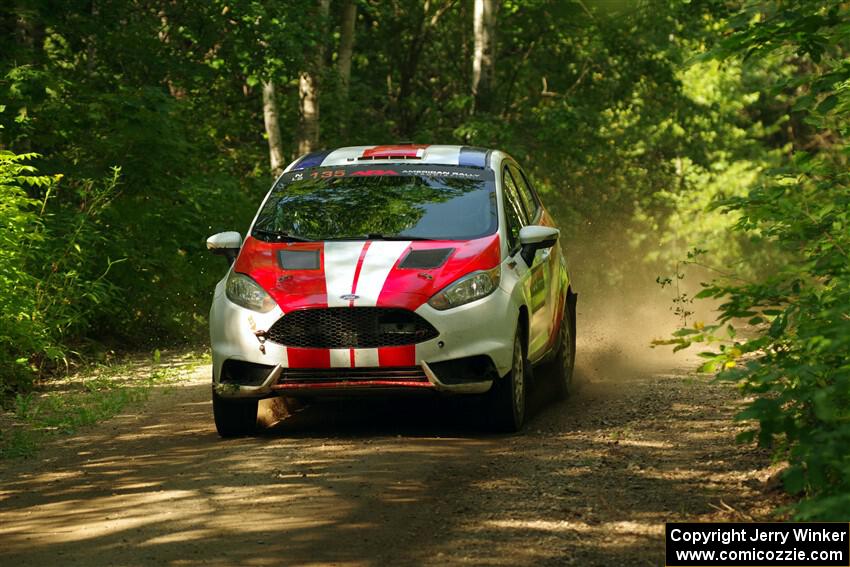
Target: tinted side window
<point>513,210</point>
<point>513,193</point>
<point>525,192</point>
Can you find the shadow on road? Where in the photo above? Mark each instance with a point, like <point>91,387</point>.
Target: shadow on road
<point>405,482</point>
<point>411,416</point>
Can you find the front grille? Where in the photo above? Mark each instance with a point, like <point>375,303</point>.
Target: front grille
<point>319,375</point>
<point>351,327</point>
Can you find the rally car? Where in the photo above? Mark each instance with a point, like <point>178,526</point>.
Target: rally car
<point>393,269</point>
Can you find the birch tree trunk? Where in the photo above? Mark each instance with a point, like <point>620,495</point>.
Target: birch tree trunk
<point>270,118</point>
<point>308,94</point>
<point>483,60</point>
<point>308,106</point>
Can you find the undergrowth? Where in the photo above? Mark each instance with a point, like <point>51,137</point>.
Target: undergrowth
<point>89,398</point>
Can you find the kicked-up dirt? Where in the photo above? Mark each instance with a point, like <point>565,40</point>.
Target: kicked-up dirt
<point>395,482</point>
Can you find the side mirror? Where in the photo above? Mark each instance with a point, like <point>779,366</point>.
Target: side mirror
<point>225,244</point>
<point>535,237</point>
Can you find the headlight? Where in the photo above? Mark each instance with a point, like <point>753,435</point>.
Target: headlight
<point>468,288</point>
<point>244,291</point>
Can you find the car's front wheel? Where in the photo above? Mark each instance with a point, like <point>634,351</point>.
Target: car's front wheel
<point>234,417</point>
<point>508,396</point>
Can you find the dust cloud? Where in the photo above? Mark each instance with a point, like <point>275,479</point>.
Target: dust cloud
<point>622,309</point>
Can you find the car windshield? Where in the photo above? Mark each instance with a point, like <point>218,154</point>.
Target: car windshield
<point>394,202</point>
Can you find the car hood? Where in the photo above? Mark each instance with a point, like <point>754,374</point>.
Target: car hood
<point>301,275</point>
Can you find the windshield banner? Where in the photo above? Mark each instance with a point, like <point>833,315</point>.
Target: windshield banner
<point>388,169</point>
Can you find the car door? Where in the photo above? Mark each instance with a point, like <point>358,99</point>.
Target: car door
<point>535,284</point>
<point>547,261</point>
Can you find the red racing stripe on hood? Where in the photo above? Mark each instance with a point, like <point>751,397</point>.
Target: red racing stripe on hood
<point>356,277</point>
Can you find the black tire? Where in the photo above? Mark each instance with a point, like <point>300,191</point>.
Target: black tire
<point>560,370</point>
<point>509,395</point>
<point>234,418</point>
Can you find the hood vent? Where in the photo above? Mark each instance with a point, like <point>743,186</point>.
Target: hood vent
<point>298,259</point>
<point>426,259</point>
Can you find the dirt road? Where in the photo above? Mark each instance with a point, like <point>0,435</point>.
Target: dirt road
<point>413,482</point>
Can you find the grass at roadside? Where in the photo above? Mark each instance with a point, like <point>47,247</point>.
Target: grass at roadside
<point>62,407</point>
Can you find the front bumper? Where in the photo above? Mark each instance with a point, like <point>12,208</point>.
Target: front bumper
<point>483,328</point>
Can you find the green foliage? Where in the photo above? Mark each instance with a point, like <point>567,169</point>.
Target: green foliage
<point>127,259</point>
<point>19,222</point>
<point>48,289</point>
<point>787,335</point>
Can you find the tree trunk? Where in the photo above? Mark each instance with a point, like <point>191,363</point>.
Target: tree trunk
<point>346,45</point>
<point>174,89</point>
<point>29,40</point>
<point>91,51</point>
<point>428,22</point>
<point>484,60</point>
<point>308,106</point>
<point>308,94</point>
<point>272,128</point>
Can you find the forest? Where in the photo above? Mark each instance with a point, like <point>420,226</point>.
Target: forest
<point>676,141</point>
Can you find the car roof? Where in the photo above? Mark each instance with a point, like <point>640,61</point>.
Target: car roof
<point>425,154</point>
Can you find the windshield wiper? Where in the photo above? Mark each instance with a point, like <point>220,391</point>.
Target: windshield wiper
<point>280,235</point>
<point>354,237</point>
<point>375,236</point>
<point>378,236</point>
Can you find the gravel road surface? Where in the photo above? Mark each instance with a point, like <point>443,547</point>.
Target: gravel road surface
<point>404,482</point>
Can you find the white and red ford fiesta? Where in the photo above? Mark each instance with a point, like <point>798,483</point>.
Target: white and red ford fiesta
<point>392,269</point>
